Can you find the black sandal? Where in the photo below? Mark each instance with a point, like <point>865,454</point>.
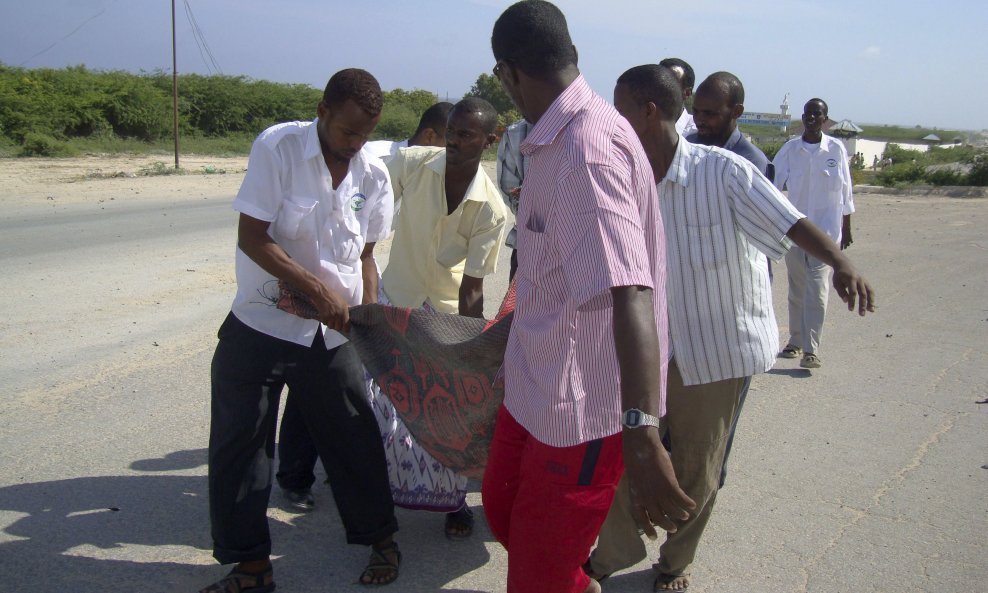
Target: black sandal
<point>379,563</point>
<point>459,524</point>
<point>239,581</point>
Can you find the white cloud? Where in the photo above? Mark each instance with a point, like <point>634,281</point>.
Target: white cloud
<point>872,52</point>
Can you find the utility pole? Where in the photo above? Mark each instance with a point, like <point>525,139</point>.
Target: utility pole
<point>174,86</point>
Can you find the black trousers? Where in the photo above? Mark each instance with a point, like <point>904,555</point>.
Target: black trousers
<point>297,453</point>
<point>249,371</point>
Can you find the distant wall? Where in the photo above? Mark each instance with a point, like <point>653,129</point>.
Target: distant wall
<point>872,148</point>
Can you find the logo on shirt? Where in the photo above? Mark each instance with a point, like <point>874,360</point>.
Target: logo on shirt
<point>831,162</point>
<point>357,202</point>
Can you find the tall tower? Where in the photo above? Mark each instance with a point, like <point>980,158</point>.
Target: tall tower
<point>784,111</point>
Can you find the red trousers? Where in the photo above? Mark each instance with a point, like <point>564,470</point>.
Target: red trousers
<point>546,504</point>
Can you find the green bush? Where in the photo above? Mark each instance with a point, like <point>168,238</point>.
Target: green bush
<point>771,149</point>
<point>402,112</point>
<point>43,145</point>
<point>901,173</point>
<point>978,175</point>
<point>397,122</point>
<point>942,177</point>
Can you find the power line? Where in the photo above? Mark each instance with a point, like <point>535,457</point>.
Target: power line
<point>200,40</point>
<point>70,34</point>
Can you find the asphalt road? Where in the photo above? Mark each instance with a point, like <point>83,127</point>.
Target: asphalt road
<point>866,475</point>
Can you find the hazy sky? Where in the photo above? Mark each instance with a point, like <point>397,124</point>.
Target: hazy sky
<point>905,62</point>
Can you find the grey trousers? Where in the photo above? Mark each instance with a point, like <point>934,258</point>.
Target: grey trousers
<point>809,288</point>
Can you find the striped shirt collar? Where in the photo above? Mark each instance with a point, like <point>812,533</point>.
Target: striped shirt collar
<point>570,102</point>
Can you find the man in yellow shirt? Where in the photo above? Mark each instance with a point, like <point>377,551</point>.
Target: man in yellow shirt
<point>448,235</point>
<point>446,240</point>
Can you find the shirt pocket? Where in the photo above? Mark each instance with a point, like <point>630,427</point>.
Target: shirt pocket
<point>831,180</point>
<point>295,219</point>
<point>707,250</point>
<point>348,241</point>
<point>453,251</point>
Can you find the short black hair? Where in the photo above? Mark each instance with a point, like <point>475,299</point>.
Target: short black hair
<point>486,111</point>
<point>735,90</point>
<point>826,109</point>
<point>689,78</point>
<point>652,83</point>
<point>532,35</point>
<point>435,118</point>
<point>355,84</point>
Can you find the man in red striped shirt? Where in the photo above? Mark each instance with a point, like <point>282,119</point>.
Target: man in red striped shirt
<point>587,350</point>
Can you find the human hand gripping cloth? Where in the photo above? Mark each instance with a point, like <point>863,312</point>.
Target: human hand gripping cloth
<point>439,370</point>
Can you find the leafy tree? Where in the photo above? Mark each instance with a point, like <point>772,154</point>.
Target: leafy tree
<point>489,88</point>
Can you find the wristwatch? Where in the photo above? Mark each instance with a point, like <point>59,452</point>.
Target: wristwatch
<point>635,418</point>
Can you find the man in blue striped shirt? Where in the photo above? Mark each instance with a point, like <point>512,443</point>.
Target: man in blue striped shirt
<point>721,218</point>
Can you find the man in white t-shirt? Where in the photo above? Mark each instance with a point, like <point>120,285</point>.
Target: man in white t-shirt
<point>312,205</point>
<point>687,78</point>
<point>815,169</point>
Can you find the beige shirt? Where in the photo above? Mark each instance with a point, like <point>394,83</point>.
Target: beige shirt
<point>432,249</point>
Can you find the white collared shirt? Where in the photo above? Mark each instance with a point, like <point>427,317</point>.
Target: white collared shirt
<point>819,182</point>
<point>322,229</point>
<point>721,218</point>
<point>685,125</point>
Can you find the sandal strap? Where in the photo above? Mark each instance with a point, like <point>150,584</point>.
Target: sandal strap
<point>238,581</point>
<point>379,562</point>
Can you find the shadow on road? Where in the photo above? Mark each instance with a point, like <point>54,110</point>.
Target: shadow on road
<point>794,373</point>
<point>151,533</point>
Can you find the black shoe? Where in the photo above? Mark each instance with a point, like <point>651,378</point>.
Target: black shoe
<point>301,499</point>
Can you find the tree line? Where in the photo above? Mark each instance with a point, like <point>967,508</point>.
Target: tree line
<point>41,109</point>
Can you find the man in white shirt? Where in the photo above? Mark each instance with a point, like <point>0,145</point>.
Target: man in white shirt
<point>721,218</point>
<point>296,453</point>
<point>311,205</point>
<point>815,170</point>
<point>686,78</point>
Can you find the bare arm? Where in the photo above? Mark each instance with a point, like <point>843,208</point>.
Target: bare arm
<point>368,269</point>
<point>472,297</point>
<point>254,241</point>
<point>656,497</point>
<point>851,286</point>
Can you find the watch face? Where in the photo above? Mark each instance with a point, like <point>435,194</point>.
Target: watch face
<point>632,418</point>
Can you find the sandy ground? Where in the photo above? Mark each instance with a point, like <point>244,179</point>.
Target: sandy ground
<point>867,475</point>
<point>93,179</point>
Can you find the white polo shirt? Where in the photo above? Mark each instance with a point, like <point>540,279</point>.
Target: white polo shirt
<point>322,229</point>
<point>819,182</point>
